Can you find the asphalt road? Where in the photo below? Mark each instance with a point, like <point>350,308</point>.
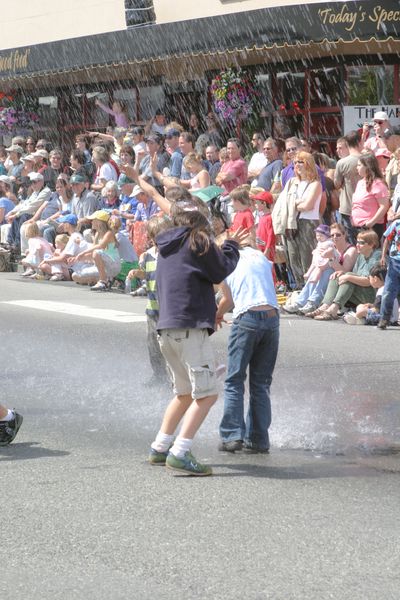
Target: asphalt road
<point>85,517</point>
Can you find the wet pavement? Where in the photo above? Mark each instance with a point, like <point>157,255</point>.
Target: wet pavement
<point>316,519</point>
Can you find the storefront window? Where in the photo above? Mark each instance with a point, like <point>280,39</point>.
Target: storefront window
<point>96,117</point>
<point>48,118</point>
<point>290,90</point>
<point>151,98</point>
<point>325,86</point>
<point>370,85</point>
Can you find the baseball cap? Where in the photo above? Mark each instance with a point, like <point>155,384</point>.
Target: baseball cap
<point>41,153</point>
<point>15,148</point>
<point>381,116</point>
<point>6,179</point>
<point>265,196</point>
<point>383,152</point>
<point>28,157</point>
<point>71,219</point>
<point>35,176</point>
<point>100,215</point>
<point>172,133</point>
<point>78,178</point>
<point>137,190</point>
<point>124,179</point>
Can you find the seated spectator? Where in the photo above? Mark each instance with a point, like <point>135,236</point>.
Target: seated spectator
<point>53,170</point>
<point>110,198</point>
<point>82,143</point>
<point>55,267</point>
<point>6,202</point>
<point>126,251</point>
<point>353,287</point>
<point>38,250</point>
<point>26,209</point>
<point>156,152</point>
<point>312,293</point>
<point>106,262</point>
<point>368,313</point>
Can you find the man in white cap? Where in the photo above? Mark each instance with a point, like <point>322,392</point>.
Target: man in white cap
<point>14,155</point>
<point>382,130</point>
<point>26,209</point>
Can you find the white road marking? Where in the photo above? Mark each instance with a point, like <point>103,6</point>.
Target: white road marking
<point>79,310</point>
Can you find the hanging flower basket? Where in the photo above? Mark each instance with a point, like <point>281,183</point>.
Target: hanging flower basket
<point>12,119</point>
<point>233,94</point>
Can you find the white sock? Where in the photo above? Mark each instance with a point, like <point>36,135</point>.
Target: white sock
<point>9,417</point>
<point>181,446</point>
<point>162,442</point>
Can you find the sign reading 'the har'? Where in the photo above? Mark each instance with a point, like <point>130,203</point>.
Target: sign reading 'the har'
<point>355,116</point>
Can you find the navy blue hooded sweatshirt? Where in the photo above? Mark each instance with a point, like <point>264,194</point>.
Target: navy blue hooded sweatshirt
<point>185,280</point>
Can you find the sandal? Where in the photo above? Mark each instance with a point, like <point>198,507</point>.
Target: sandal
<point>100,286</point>
<point>314,313</point>
<point>326,316</point>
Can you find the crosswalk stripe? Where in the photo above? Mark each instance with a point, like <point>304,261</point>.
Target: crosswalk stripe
<point>79,310</point>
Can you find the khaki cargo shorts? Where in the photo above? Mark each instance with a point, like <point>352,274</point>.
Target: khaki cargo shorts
<point>190,358</point>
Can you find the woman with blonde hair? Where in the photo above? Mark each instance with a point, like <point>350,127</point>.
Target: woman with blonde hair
<point>103,254</point>
<point>306,191</point>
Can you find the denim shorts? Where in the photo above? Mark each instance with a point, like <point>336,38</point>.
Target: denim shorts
<point>190,359</point>
<point>372,317</point>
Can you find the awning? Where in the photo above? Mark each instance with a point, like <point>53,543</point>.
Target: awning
<point>280,30</point>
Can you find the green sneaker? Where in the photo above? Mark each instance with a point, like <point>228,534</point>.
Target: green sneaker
<point>187,465</point>
<point>157,458</point>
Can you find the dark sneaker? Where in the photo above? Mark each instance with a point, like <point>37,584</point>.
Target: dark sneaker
<point>234,446</point>
<point>9,429</point>
<point>383,323</point>
<point>250,449</point>
<point>157,458</point>
<point>187,465</point>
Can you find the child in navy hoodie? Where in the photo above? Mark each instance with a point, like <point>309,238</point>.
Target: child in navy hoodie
<point>189,263</point>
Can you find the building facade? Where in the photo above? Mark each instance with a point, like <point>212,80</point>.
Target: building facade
<point>321,67</point>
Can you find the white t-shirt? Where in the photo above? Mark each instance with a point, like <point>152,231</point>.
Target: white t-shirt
<point>76,244</point>
<point>107,173</point>
<point>257,163</point>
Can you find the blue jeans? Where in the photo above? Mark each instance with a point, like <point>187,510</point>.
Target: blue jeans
<point>253,342</point>
<point>391,289</point>
<point>314,292</point>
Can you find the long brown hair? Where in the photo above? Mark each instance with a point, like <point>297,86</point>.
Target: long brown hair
<point>200,229</point>
<point>372,168</point>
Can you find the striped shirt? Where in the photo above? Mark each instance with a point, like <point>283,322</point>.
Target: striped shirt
<point>148,264</point>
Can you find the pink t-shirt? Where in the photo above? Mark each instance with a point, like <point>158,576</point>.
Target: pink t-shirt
<point>365,203</point>
<point>238,168</point>
<point>40,247</point>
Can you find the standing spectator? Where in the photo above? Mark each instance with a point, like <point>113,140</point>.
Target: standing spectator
<point>82,143</point>
<point>119,111</point>
<point>258,160</point>
<point>211,137</point>
<point>391,289</point>
<point>176,156</point>
<point>370,201</point>
<point>155,148</point>
<point>265,236</point>
<point>234,171</point>
<point>342,147</point>
<point>345,179</point>
<point>156,125</point>
<point>52,171</point>
<point>212,162</point>
<point>186,146</point>
<point>382,130</point>
<point>274,165</point>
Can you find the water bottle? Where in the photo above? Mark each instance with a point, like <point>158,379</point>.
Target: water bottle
<point>128,286</point>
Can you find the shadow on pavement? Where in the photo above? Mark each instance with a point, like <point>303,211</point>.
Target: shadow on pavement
<point>28,451</point>
<point>304,471</point>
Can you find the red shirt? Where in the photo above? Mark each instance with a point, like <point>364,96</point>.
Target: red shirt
<point>265,236</point>
<point>243,218</point>
<point>237,168</point>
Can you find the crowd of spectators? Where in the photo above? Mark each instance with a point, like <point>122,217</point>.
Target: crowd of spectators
<point>321,219</point>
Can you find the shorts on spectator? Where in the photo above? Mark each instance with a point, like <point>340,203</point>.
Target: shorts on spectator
<point>112,267</point>
<point>190,358</point>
